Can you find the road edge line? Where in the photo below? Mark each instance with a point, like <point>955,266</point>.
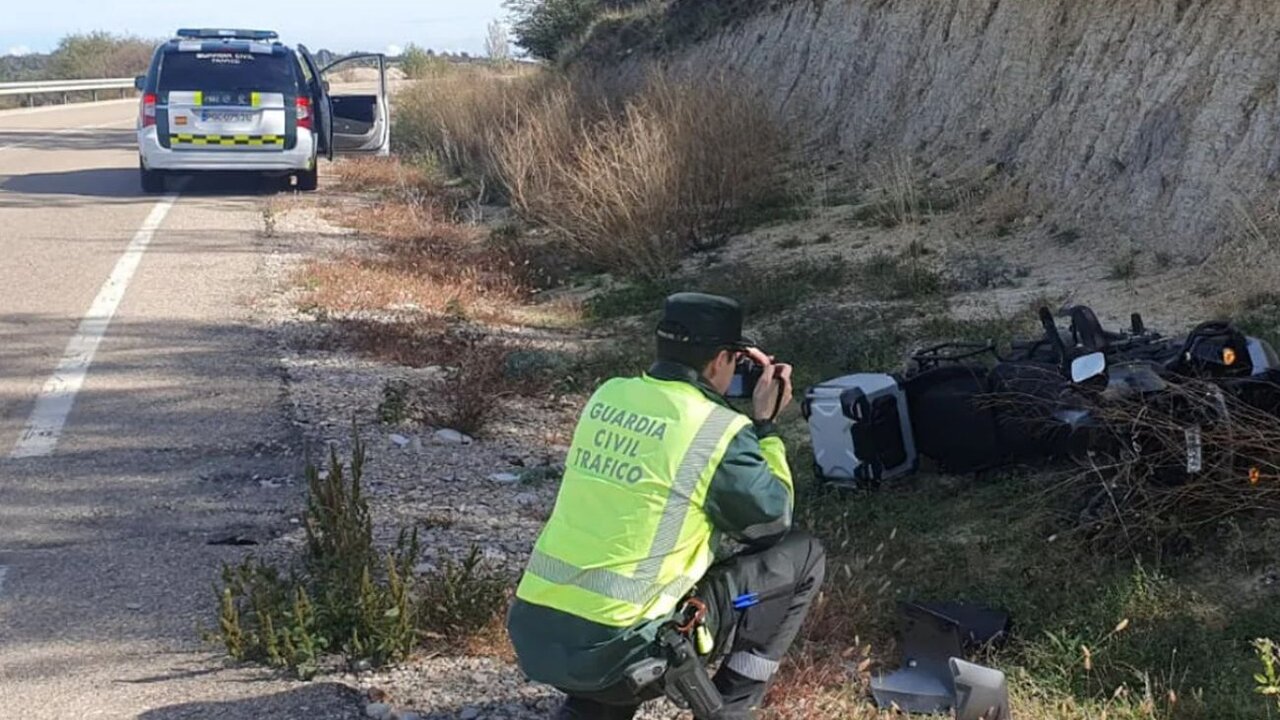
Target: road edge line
<point>58,395</point>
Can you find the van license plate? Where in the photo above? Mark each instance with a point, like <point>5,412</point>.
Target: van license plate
<point>226,117</point>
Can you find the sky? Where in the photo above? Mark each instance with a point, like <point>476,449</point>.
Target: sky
<point>374,25</point>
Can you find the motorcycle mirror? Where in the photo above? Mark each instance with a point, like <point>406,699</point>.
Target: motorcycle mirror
<point>982,693</point>
<point>1088,367</point>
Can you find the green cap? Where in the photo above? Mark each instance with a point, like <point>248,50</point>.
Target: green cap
<point>704,320</point>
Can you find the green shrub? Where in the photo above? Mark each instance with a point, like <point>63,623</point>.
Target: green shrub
<point>765,291</point>
<point>828,343</point>
<point>890,277</point>
<point>418,63</point>
<point>100,55</point>
<point>1268,681</point>
<point>545,27</point>
<point>1259,315</point>
<point>461,598</point>
<point>344,595</point>
<point>638,298</point>
<point>1123,267</point>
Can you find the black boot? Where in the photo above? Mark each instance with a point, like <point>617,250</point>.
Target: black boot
<point>742,695</point>
<point>576,708</point>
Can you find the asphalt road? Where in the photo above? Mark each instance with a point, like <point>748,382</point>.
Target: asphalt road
<point>176,433</point>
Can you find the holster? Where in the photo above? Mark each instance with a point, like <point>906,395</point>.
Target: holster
<point>686,681</point>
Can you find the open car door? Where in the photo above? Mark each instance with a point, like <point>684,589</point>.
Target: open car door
<point>356,87</point>
<point>320,104</point>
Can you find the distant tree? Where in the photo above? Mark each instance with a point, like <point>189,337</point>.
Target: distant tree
<point>544,27</point>
<point>418,63</point>
<point>497,43</point>
<point>100,54</point>
<point>23,67</point>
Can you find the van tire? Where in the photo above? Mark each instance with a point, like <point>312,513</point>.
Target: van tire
<point>308,180</point>
<point>152,181</point>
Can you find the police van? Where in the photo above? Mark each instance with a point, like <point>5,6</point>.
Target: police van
<point>240,100</point>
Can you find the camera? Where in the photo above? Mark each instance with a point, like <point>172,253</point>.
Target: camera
<point>745,378</point>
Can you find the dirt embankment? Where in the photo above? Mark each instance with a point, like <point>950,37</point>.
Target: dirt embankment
<point>1150,120</point>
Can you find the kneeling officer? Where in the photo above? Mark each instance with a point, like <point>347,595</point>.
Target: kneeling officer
<point>662,472</point>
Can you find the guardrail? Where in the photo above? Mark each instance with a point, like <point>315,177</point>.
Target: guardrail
<point>65,87</point>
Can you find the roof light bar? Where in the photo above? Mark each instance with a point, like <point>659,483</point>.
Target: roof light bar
<point>221,34</point>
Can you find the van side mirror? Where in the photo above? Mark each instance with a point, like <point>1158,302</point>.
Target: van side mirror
<point>140,82</point>
<point>1088,367</point>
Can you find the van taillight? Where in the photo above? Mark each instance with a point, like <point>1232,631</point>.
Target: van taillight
<point>148,110</point>
<point>304,113</point>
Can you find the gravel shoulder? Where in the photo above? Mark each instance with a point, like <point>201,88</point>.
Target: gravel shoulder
<point>491,492</point>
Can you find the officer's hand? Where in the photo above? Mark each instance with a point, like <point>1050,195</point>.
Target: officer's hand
<point>766,404</point>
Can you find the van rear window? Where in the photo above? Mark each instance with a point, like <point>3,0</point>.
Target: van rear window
<point>227,71</point>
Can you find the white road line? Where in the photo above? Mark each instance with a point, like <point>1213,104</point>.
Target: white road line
<point>65,131</point>
<point>3,571</point>
<point>59,393</point>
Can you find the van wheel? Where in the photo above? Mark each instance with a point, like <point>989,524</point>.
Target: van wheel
<point>152,180</point>
<point>308,180</point>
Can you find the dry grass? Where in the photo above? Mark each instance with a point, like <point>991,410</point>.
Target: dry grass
<point>475,376</point>
<point>1003,209</point>
<point>469,397</point>
<point>411,341</point>
<point>422,292</point>
<point>667,173</point>
<point>626,181</point>
<point>1244,263</point>
<point>388,176</point>
<point>423,260</point>
<point>457,118</point>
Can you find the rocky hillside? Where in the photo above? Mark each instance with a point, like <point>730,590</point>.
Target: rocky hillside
<point>1151,120</point>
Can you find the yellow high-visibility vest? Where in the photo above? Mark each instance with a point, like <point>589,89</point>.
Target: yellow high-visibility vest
<point>629,538</point>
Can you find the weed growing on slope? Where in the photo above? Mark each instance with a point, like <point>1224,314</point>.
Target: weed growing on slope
<point>1123,267</point>
<point>764,292</point>
<point>1259,315</point>
<point>899,277</point>
<point>270,220</point>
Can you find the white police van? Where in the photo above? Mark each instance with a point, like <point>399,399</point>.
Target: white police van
<point>240,100</point>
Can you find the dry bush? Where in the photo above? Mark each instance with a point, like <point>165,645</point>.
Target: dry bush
<point>1004,207</point>
<point>627,181</point>
<point>667,173</point>
<point>475,369</point>
<point>468,398</point>
<point>458,117</point>
<point>1134,493</point>
<point>903,199</point>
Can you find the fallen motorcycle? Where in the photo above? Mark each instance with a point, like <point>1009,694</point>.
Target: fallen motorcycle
<point>1069,394</point>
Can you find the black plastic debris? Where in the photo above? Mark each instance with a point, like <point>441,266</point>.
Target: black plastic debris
<point>934,637</point>
<point>233,541</point>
